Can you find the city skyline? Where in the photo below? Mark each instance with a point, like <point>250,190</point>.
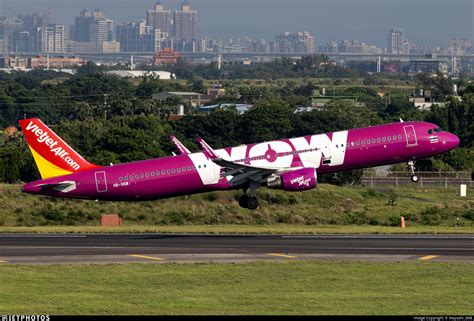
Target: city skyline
<point>419,19</point>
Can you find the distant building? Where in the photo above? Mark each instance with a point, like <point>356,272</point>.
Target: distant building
<point>139,37</point>
<point>166,56</point>
<point>328,47</point>
<point>54,62</point>
<point>241,108</point>
<point>185,23</point>
<point>8,27</point>
<point>159,18</point>
<point>459,47</point>
<point>357,47</point>
<point>92,26</point>
<point>397,42</point>
<point>429,64</point>
<point>51,39</point>
<point>93,47</point>
<point>298,42</point>
<point>165,75</point>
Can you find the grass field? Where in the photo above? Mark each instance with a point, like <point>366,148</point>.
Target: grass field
<point>242,229</point>
<point>298,287</point>
<point>327,205</point>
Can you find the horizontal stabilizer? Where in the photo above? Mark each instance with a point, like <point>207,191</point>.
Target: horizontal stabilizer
<point>63,187</point>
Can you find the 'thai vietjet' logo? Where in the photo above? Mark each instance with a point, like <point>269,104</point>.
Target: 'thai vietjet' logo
<point>301,181</point>
<point>44,138</point>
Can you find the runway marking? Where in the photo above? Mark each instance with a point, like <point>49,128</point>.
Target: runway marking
<point>282,255</point>
<point>146,257</point>
<point>428,257</point>
<point>3,261</point>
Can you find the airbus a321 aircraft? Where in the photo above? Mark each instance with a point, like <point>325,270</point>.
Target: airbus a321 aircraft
<point>287,164</point>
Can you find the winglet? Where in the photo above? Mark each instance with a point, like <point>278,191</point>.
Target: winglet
<point>182,149</point>
<point>206,149</point>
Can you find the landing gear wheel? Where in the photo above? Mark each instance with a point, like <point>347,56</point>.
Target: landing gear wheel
<point>243,201</point>
<point>252,202</point>
<point>411,168</point>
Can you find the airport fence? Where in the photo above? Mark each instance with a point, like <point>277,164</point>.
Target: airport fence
<point>426,179</point>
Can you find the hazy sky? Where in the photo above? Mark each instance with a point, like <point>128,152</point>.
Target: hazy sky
<point>426,22</point>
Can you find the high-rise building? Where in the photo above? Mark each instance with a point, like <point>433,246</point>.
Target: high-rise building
<point>92,26</point>
<point>50,39</point>
<point>8,27</point>
<point>159,18</point>
<point>459,47</point>
<point>185,24</point>
<point>397,42</point>
<point>139,37</point>
<point>298,42</point>
<point>34,20</point>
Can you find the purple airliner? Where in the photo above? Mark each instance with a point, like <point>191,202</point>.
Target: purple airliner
<point>288,164</point>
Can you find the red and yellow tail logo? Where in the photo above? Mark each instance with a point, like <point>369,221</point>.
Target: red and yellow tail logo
<point>52,155</point>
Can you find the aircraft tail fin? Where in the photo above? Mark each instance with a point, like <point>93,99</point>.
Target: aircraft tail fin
<point>206,149</point>
<point>53,156</point>
<point>180,146</point>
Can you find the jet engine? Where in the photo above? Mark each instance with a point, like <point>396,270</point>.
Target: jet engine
<point>299,180</point>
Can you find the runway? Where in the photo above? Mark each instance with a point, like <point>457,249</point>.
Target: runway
<point>186,248</point>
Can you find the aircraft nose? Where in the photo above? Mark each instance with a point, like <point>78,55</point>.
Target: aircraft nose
<point>452,140</point>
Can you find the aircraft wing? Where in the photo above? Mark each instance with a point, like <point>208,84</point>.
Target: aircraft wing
<point>242,174</point>
<point>182,149</point>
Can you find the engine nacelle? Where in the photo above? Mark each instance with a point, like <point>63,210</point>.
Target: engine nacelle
<point>299,180</point>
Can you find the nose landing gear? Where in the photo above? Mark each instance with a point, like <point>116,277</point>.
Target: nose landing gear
<point>411,168</point>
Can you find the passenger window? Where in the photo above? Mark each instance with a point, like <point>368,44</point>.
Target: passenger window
<point>178,170</point>
<point>357,143</point>
<point>373,140</point>
<point>389,138</point>
<point>363,142</point>
<point>394,137</point>
<point>189,168</point>
<point>152,174</point>
<point>120,178</point>
<point>378,140</point>
<point>131,177</point>
<point>136,176</point>
<point>147,174</point>
<point>384,139</point>
<point>141,175</point>
<point>168,171</point>
<point>430,131</point>
<point>126,178</point>
<point>399,136</point>
<point>163,172</point>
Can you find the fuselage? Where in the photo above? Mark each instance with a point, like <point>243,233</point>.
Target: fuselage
<point>195,173</point>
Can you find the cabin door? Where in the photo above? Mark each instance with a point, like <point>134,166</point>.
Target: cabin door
<point>410,135</point>
<point>100,182</point>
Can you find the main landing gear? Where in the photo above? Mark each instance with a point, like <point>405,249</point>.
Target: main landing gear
<point>411,167</point>
<point>249,200</point>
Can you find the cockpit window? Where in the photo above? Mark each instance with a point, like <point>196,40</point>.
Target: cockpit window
<point>436,130</point>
